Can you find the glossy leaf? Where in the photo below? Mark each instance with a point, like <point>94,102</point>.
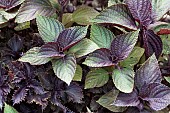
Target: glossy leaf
<point>167,79</point>
<point>31,8</point>
<point>148,73</point>
<point>34,57</point>
<point>71,36</point>
<point>49,28</point>
<point>8,15</point>
<point>123,79</point>
<point>159,8</point>
<point>133,57</point>
<point>158,95</point>
<point>96,78</point>
<point>117,15</point>
<point>51,49</point>
<point>141,10</point>
<point>83,48</point>
<point>123,44</point>
<point>9,4</point>
<point>9,109</point>
<point>107,100</point>
<point>2,19</point>
<point>64,68</point>
<point>78,74</point>
<point>67,20</point>
<point>84,14</point>
<point>101,36</point>
<point>99,58</point>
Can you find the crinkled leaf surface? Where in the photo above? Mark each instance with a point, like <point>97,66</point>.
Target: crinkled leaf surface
<point>101,36</point>
<point>69,37</point>
<point>116,15</point>
<point>107,100</point>
<point>113,2</point>
<point>34,57</point>
<point>158,95</point>
<point>148,73</point>
<point>166,43</point>
<point>64,68</point>
<point>9,109</point>
<point>83,48</point>
<point>124,79</point>
<point>9,4</point>
<point>78,74</point>
<point>84,14</point>
<point>96,78</point>
<point>133,57</point>
<point>49,28</point>
<point>31,8</point>
<point>141,10</point>
<point>123,44</point>
<point>51,49</point>
<point>159,8</point>
<point>99,58</point>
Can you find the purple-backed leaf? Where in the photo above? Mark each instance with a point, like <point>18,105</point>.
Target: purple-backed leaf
<point>122,45</point>
<point>148,73</point>
<point>141,10</point>
<point>127,99</point>
<point>35,85</point>
<point>157,94</point>
<point>74,93</point>
<point>99,58</point>
<point>51,49</point>
<point>152,43</point>
<point>117,15</point>
<point>15,43</point>
<point>39,99</point>
<point>69,37</point>
<point>9,4</point>
<point>19,95</point>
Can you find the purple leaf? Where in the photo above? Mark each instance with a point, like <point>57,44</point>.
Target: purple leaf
<point>157,94</point>
<point>51,49</point>
<point>9,4</point>
<point>141,10</point>
<point>36,86</point>
<point>148,73</point>
<point>152,43</point>
<point>69,37</point>
<point>127,99</point>
<point>122,45</point>
<point>100,58</point>
<point>19,95</point>
<point>15,43</point>
<point>74,93</point>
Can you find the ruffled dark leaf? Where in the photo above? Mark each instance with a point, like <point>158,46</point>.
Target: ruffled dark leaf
<point>46,81</point>
<point>36,86</point>
<point>157,94</point>
<point>19,95</point>
<point>74,93</point>
<point>15,43</point>
<point>141,10</point>
<point>148,73</point>
<point>99,58</point>
<point>152,43</point>
<point>69,37</point>
<point>51,49</point>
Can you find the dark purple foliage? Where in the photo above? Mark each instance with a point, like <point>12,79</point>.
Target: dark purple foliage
<point>9,4</point>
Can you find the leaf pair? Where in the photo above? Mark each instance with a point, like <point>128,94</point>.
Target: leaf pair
<point>148,88</point>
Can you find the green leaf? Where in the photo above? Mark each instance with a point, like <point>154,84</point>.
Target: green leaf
<point>133,58</point>
<point>116,15</point>
<point>49,28</point>
<point>83,48</point>
<point>101,36</point>
<point>84,14</point>
<point>65,68</point>
<point>108,99</point>
<point>22,26</point>
<point>123,79</point>
<point>31,8</point>
<point>9,109</point>
<point>67,20</point>
<point>166,43</point>
<point>34,57</point>
<point>114,2</point>
<point>167,79</point>
<point>160,25</point>
<point>2,19</point>
<point>96,78</point>
<point>159,8</point>
<point>78,74</point>
<point>8,15</point>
